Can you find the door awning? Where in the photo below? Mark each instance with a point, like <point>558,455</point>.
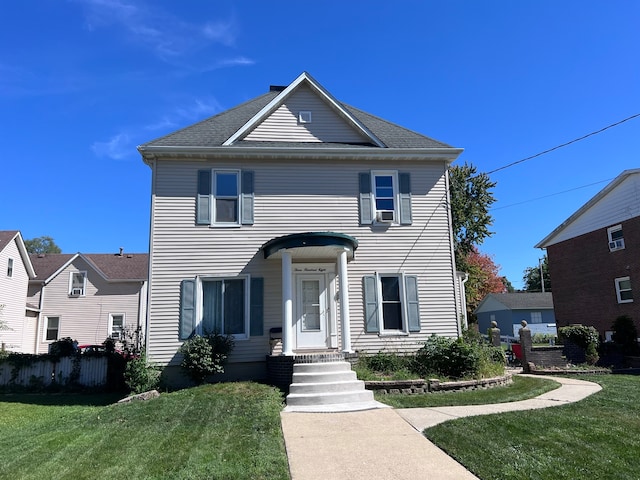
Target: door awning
<point>317,245</point>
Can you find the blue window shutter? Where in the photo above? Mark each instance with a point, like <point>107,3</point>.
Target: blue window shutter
<point>187,309</point>
<point>371,314</point>
<point>203,201</point>
<point>247,197</point>
<point>366,202</point>
<point>256,308</point>
<point>413,306</point>
<point>405,198</point>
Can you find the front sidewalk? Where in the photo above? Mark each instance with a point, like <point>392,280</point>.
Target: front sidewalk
<point>388,444</point>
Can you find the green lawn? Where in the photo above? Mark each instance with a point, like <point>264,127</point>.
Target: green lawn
<point>224,431</point>
<point>522,388</point>
<point>596,438</point>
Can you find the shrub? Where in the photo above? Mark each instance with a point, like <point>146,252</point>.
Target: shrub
<point>625,334</point>
<point>64,347</point>
<point>542,338</point>
<point>585,337</point>
<point>140,376</point>
<point>469,356</point>
<point>205,356</point>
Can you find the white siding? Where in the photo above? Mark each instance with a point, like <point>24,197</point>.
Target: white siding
<point>326,125</point>
<point>13,294</point>
<point>295,198</point>
<point>621,203</point>
<point>86,318</point>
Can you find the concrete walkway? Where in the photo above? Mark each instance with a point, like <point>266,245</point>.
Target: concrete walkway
<point>388,444</point>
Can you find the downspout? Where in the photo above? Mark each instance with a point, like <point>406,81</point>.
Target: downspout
<point>39,322</point>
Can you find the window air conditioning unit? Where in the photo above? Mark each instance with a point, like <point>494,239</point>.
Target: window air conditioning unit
<point>76,292</point>
<point>616,244</point>
<point>385,216</point>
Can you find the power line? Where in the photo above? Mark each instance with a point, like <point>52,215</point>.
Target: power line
<point>565,144</point>
<point>552,194</point>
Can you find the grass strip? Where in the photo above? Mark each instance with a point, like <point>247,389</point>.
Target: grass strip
<point>598,437</point>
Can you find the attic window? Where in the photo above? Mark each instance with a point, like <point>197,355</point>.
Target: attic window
<point>304,116</point>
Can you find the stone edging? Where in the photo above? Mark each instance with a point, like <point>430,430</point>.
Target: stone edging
<point>412,387</point>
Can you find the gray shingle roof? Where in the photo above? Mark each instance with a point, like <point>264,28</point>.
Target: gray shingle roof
<point>214,131</point>
<point>128,267</point>
<point>524,300</point>
<point>6,236</point>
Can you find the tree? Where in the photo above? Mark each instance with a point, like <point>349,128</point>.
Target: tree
<point>531,277</point>
<point>483,279</point>
<point>42,245</point>
<point>471,197</point>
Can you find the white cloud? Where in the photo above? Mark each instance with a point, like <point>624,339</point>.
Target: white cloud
<point>117,148</point>
<point>158,29</point>
<point>222,32</point>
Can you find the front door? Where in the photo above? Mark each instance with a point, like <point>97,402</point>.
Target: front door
<point>311,311</point>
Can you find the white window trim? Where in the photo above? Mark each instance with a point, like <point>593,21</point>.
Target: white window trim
<point>46,328</point>
<point>617,244</point>
<point>618,281</point>
<point>10,264</point>
<point>247,301</point>
<point>84,283</point>
<point>396,195</point>
<point>214,195</point>
<point>124,322</point>
<point>537,313</point>
<point>403,304</point>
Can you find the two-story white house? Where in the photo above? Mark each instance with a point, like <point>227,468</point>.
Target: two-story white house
<point>89,297</point>
<point>17,319</point>
<point>295,215</point>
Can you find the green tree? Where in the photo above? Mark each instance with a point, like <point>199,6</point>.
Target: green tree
<point>471,198</point>
<point>42,245</point>
<point>531,277</point>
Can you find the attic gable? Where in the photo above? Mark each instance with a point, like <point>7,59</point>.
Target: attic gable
<point>305,112</point>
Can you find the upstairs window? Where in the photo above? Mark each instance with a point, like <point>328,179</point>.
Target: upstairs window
<point>623,290</point>
<point>77,284</point>
<point>10,267</point>
<point>385,197</point>
<point>225,198</point>
<point>616,240</point>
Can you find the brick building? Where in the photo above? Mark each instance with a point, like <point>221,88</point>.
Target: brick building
<point>594,258</point>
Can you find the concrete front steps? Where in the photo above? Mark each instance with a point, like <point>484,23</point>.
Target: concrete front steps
<point>328,387</point>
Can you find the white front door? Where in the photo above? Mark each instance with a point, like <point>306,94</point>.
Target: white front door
<point>311,310</point>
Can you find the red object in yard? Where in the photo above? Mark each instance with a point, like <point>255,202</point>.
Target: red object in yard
<point>516,348</point>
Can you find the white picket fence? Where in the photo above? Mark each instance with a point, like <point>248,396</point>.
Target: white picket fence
<point>93,372</point>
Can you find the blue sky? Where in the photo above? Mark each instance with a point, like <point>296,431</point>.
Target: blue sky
<point>83,82</point>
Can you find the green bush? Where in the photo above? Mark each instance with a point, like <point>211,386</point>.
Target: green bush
<point>542,338</point>
<point>64,347</point>
<point>585,337</point>
<point>140,376</point>
<point>205,356</point>
<point>468,357</point>
<point>625,334</point>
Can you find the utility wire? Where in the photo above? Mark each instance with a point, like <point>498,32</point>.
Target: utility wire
<point>551,194</point>
<point>565,144</point>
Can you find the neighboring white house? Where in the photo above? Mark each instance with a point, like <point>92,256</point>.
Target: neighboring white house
<point>17,323</point>
<point>294,211</point>
<point>88,297</point>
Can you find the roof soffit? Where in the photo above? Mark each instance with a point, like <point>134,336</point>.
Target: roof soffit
<point>551,238</point>
<point>279,100</point>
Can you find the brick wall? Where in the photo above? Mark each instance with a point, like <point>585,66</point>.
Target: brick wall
<point>582,271</point>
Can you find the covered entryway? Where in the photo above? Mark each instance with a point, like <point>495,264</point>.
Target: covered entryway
<point>314,283</point>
